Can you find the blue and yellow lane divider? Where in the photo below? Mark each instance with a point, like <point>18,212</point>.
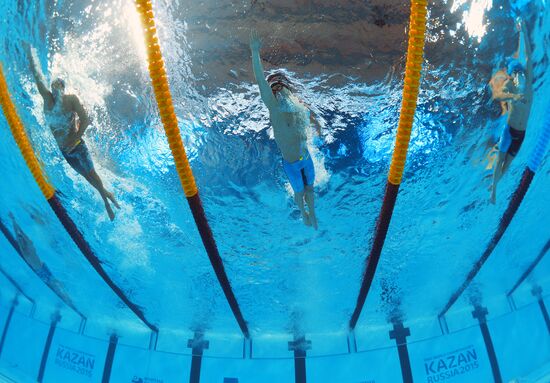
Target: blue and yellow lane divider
<point>159,79</point>
<point>413,70</point>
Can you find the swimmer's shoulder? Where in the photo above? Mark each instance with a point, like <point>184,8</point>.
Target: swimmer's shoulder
<point>70,100</point>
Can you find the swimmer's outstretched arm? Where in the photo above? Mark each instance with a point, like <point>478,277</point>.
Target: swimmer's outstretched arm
<point>265,90</point>
<point>38,76</point>
<point>528,61</point>
<point>520,52</point>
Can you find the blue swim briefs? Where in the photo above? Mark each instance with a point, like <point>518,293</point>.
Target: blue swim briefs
<point>300,173</point>
<point>79,159</point>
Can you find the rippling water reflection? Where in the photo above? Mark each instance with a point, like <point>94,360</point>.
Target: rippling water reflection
<point>279,269</point>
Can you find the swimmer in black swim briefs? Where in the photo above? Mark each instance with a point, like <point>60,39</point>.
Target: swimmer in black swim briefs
<point>511,140</point>
<point>518,94</point>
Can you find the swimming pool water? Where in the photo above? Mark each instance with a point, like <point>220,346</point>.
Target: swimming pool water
<point>289,280</point>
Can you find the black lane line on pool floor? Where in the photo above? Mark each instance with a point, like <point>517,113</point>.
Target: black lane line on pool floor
<point>19,289</point>
<point>7,324</point>
<point>300,346</point>
<point>382,226</point>
<point>480,313</point>
<point>530,268</point>
<point>197,345</point>
<point>113,342</point>
<point>537,292</point>
<point>400,334</point>
<point>199,215</point>
<point>12,242</point>
<point>96,263</point>
<point>544,314</point>
<point>505,220</point>
<point>56,318</point>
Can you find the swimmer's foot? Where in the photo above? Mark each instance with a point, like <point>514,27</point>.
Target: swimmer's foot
<point>111,197</point>
<point>519,22</point>
<point>313,221</point>
<point>493,198</point>
<point>305,217</point>
<point>110,212</point>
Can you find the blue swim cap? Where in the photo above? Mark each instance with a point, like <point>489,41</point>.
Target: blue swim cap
<point>514,66</point>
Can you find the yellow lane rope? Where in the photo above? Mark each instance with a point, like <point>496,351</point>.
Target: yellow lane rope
<point>164,98</point>
<point>415,52</point>
<point>21,138</point>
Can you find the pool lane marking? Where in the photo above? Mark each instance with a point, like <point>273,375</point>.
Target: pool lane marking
<point>113,342</point>
<point>18,288</point>
<point>169,120</point>
<point>197,345</point>
<point>505,221</point>
<point>530,268</point>
<point>400,334</point>
<point>544,312</point>
<point>480,313</point>
<point>413,71</point>
<point>537,293</point>
<point>14,303</point>
<point>300,346</point>
<point>53,325</point>
<point>20,136</point>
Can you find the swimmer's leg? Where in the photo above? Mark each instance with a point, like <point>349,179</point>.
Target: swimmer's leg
<point>497,175</point>
<point>81,161</point>
<point>310,201</point>
<point>58,288</point>
<point>93,178</point>
<point>507,162</point>
<point>299,199</point>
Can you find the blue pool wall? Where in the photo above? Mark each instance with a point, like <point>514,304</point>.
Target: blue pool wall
<point>521,340</point>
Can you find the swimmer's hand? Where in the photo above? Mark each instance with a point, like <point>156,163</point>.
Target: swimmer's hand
<point>30,51</point>
<point>519,24</point>
<point>255,41</point>
<point>75,134</point>
<point>26,48</point>
<point>518,97</point>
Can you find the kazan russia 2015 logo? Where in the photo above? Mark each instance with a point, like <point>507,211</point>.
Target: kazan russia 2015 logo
<point>138,379</point>
<point>443,367</point>
<point>75,360</point>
